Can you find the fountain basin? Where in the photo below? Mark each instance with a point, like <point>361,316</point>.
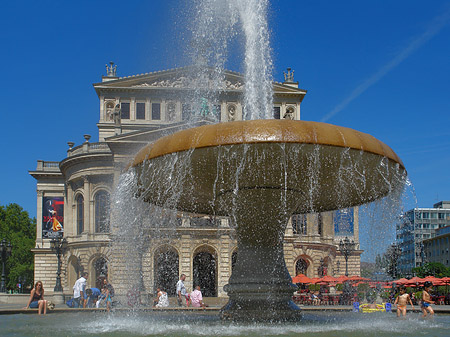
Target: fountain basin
<point>260,173</point>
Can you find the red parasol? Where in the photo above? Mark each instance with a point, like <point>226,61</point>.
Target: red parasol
<point>401,281</point>
<point>415,281</point>
<point>358,278</point>
<point>328,279</point>
<point>341,279</point>
<point>301,279</point>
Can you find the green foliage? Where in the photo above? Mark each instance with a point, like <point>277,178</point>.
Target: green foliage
<point>385,294</point>
<point>436,269</point>
<point>314,287</point>
<point>17,227</point>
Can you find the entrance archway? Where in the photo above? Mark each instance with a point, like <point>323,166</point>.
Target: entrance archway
<point>301,266</point>
<point>205,270</point>
<point>166,270</point>
<point>100,271</point>
<point>73,270</point>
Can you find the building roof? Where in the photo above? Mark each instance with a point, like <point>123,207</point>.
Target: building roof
<point>181,79</point>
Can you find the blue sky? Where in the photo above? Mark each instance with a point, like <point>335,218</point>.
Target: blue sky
<point>381,67</point>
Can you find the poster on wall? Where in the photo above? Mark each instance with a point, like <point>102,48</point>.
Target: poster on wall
<point>343,222</point>
<point>52,217</point>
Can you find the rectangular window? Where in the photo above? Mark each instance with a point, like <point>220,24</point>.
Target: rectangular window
<point>344,221</point>
<point>276,112</point>
<point>125,110</point>
<point>299,224</point>
<point>140,110</point>
<point>156,111</point>
<point>425,215</point>
<point>319,224</point>
<point>185,112</point>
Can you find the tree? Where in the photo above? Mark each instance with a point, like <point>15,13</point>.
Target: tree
<point>436,269</point>
<point>17,227</point>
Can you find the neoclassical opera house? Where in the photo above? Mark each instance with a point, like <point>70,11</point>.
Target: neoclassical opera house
<point>74,193</point>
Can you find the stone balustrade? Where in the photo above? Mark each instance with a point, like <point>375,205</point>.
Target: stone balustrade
<point>52,166</point>
<point>87,147</point>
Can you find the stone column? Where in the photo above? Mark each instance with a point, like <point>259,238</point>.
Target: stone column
<point>39,240</point>
<point>87,197</point>
<point>133,109</point>
<point>186,261</point>
<point>224,264</point>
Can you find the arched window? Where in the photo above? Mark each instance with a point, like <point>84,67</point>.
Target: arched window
<point>101,271</point>
<point>80,214</point>
<point>301,266</point>
<point>101,212</point>
<point>204,273</point>
<point>166,270</point>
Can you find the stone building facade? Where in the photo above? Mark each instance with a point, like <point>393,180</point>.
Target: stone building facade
<point>134,111</point>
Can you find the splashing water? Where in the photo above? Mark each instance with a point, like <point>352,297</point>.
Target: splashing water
<point>135,220</point>
<point>216,23</point>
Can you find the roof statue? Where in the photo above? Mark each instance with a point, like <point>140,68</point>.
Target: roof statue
<point>111,69</point>
<point>289,75</point>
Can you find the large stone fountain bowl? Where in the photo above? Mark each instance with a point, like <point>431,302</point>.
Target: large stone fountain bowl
<point>259,173</point>
<point>319,166</point>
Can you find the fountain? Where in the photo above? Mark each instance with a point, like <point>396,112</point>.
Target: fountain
<point>259,173</point>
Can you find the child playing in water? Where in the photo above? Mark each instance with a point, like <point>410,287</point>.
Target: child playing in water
<point>401,301</point>
<point>426,299</point>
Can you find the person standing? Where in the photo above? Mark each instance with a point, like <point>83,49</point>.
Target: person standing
<point>37,298</point>
<point>79,290</point>
<point>426,299</point>
<point>181,291</point>
<point>401,301</point>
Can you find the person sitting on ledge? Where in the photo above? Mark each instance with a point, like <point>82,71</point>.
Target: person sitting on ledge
<point>197,298</point>
<point>37,299</point>
<point>162,300</point>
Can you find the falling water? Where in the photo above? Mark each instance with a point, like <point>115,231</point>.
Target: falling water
<point>135,221</point>
<point>216,24</point>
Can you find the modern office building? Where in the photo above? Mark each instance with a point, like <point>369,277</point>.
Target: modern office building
<point>74,193</point>
<point>417,225</point>
<point>437,248</point>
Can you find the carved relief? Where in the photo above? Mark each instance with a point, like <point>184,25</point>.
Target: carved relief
<point>236,86</point>
<point>289,114</point>
<point>171,111</point>
<point>185,82</point>
<point>109,110</point>
<point>231,112</point>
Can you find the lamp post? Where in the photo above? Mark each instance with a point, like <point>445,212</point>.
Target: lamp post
<point>59,247</point>
<point>5,249</point>
<point>346,247</point>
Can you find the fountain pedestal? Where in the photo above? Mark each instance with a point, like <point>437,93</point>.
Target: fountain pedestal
<point>260,286</point>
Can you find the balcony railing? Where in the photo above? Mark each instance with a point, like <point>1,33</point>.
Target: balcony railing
<point>87,147</point>
<point>48,166</point>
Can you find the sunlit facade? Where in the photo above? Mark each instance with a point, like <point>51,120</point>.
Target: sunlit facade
<point>77,190</point>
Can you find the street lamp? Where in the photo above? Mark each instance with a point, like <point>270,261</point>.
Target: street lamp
<point>346,247</point>
<point>5,249</point>
<point>59,247</point>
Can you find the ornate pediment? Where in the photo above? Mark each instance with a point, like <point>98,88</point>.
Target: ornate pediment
<point>186,82</point>
<point>184,78</point>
